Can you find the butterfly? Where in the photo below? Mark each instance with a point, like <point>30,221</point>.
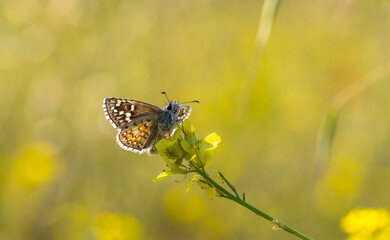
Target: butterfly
<point>141,125</point>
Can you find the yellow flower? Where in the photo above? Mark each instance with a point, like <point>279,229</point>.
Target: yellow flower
<point>36,164</point>
<point>162,176</point>
<point>213,139</point>
<point>364,221</point>
<point>110,226</point>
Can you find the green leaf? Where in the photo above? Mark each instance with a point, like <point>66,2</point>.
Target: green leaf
<point>174,151</point>
<point>167,161</point>
<point>176,134</point>
<point>176,148</point>
<point>178,161</point>
<point>187,126</point>
<point>162,145</point>
<point>162,176</point>
<point>186,146</point>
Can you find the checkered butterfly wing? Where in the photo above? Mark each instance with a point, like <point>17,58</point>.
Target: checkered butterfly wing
<point>183,112</point>
<point>136,122</point>
<point>139,135</point>
<point>121,111</point>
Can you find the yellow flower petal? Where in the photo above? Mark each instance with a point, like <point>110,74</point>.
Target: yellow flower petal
<point>162,176</point>
<point>193,179</point>
<point>213,139</point>
<point>211,193</point>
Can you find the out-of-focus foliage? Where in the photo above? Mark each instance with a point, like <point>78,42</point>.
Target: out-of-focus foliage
<point>63,176</point>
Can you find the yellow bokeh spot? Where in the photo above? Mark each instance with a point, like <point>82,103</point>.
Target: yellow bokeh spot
<point>182,206</point>
<point>384,233</point>
<point>110,226</point>
<point>361,222</point>
<point>34,165</point>
<point>359,237</point>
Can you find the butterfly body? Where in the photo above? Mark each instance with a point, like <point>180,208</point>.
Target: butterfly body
<point>141,125</point>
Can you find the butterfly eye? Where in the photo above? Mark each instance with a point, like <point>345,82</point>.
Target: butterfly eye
<point>169,107</point>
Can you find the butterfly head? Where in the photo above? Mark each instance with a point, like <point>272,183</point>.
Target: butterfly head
<point>172,107</point>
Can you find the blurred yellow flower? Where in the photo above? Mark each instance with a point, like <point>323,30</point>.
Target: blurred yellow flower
<point>34,165</point>
<point>366,223</point>
<point>110,226</point>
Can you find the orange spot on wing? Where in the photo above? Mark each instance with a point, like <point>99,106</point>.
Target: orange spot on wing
<point>129,135</point>
<point>142,128</point>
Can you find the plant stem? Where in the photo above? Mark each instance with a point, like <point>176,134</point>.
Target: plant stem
<point>228,183</point>
<point>236,199</point>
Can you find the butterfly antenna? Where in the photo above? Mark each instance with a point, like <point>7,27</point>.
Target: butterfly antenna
<point>166,96</point>
<point>191,102</point>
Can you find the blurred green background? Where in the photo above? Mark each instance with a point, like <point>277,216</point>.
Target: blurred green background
<point>63,176</point>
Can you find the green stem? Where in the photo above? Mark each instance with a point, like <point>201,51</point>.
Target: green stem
<point>228,183</point>
<point>250,207</point>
